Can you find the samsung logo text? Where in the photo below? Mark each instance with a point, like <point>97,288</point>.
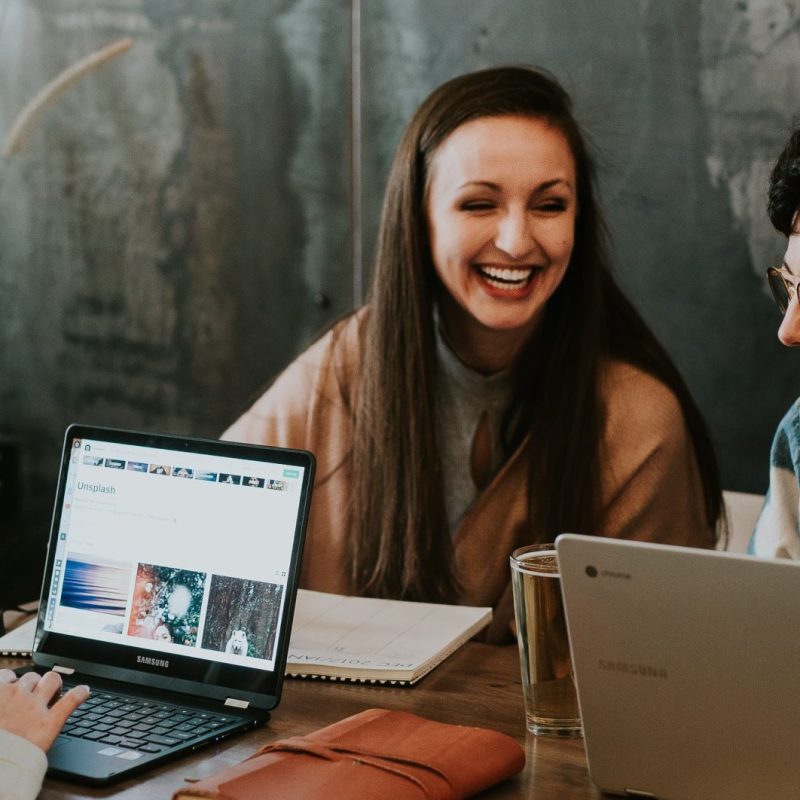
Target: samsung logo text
<point>628,668</point>
<point>153,662</point>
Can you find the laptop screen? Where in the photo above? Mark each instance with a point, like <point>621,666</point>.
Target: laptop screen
<point>175,548</point>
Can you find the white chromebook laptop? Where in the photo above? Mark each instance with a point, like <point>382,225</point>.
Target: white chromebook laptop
<point>687,665</point>
<point>169,589</point>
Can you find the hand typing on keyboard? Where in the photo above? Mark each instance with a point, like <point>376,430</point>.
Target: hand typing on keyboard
<point>25,708</point>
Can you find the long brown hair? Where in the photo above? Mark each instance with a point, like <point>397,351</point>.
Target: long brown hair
<point>399,542</point>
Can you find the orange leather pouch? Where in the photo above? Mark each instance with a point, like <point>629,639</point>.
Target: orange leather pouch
<point>374,755</point>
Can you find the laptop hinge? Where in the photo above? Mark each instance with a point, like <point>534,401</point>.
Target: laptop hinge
<point>232,701</point>
<point>64,670</point>
<point>639,793</point>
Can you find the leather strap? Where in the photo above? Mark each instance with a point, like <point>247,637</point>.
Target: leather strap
<point>382,761</point>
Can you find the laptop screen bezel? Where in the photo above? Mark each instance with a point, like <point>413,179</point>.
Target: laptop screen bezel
<point>210,679</point>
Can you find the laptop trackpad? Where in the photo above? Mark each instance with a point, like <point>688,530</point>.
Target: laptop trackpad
<point>92,760</point>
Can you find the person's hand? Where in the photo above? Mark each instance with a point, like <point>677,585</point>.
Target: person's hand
<point>25,710</point>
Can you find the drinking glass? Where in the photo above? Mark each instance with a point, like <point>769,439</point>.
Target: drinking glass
<point>551,702</point>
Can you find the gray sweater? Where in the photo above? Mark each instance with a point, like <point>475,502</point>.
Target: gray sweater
<point>463,397</point>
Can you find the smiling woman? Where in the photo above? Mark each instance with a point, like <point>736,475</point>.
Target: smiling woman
<point>501,210</point>
<point>497,389</point>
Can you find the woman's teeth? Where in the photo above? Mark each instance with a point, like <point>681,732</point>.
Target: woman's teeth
<point>505,278</point>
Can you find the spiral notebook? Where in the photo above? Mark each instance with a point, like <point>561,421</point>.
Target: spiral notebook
<point>19,641</point>
<point>369,640</point>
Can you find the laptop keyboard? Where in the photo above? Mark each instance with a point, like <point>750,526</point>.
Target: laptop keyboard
<point>143,725</point>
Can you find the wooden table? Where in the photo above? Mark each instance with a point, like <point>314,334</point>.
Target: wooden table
<point>478,685</point>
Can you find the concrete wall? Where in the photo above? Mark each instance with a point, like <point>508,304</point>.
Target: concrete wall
<point>688,104</point>
<point>176,226</point>
<point>180,223</point>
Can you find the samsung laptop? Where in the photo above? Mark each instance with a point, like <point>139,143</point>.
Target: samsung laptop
<point>169,589</point>
<point>688,669</point>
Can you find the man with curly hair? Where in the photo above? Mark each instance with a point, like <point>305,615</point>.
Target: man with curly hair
<point>777,533</point>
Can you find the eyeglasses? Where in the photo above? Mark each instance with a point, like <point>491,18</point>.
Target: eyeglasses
<point>783,285</point>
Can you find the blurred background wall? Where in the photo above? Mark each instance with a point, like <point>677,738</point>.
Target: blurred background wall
<point>181,223</point>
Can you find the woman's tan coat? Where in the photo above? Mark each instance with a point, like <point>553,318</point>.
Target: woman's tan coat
<point>650,483</point>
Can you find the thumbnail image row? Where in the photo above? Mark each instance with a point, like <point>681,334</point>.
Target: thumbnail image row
<point>186,472</point>
<point>241,616</point>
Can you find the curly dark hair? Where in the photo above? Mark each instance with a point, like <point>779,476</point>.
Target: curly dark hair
<point>784,187</point>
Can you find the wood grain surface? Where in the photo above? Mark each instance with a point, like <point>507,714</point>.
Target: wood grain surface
<point>478,685</point>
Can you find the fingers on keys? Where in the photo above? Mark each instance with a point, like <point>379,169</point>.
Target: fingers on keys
<point>69,701</point>
<point>7,676</point>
